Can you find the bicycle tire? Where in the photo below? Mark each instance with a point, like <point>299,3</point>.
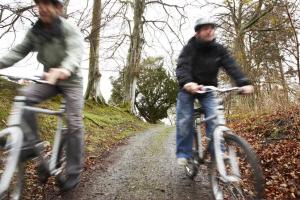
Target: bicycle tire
<point>17,177</point>
<point>61,164</point>
<point>16,189</point>
<point>253,175</point>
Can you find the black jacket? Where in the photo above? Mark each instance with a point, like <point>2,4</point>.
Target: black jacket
<point>200,62</point>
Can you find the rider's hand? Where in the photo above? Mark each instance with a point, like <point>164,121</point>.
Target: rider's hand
<point>247,89</point>
<point>193,88</point>
<point>55,74</point>
<point>64,73</point>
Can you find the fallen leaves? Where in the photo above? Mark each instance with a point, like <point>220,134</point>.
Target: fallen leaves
<point>276,139</point>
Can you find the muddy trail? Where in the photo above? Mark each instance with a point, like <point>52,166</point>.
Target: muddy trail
<point>144,168</point>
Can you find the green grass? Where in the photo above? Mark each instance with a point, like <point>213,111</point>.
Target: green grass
<point>8,91</point>
<point>159,140</point>
<point>104,126</point>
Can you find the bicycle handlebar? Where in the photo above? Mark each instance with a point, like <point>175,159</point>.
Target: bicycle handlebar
<point>215,89</point>
<point>36,79</point>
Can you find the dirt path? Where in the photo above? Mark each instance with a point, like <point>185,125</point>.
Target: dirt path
<point>144,168</point>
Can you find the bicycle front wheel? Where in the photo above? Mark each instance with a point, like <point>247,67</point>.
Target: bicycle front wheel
<point>11,168</point>
<point>17,183</point>
<point>250,184</point>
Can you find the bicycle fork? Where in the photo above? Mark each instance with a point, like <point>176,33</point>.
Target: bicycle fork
<point>220,157</point>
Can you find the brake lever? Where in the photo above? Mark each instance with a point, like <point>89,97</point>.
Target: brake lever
<point>201,91</point>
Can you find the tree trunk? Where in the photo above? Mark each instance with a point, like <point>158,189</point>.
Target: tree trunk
<point>134,54</point>
<point>268,78</point>
<point>241,27</point>
<point>281,70</point>
<point>283,82</point>
<point>240,53</point>
<point>297,56</point>
<point>93,87</point>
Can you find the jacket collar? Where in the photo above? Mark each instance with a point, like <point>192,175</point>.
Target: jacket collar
<point>52,31</point>
<point>201,44</point>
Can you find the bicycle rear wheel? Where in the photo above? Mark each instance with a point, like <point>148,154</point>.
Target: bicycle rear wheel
<point>251,181</point>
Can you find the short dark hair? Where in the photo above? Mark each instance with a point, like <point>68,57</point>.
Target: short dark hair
<point>198,27</point>
<point>54,2</point>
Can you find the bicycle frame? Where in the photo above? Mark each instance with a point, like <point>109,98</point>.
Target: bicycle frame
<point>16,138</point>
<point>217,140</point>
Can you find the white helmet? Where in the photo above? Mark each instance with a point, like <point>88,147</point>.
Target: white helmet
<point>204,21</point>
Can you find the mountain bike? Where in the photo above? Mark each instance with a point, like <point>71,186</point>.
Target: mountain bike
<point>234,169</point>
<point>15,151</point>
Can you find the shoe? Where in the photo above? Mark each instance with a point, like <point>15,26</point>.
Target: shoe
<point>67,183</point>
<point>182,161</point>
<point>43,172</point>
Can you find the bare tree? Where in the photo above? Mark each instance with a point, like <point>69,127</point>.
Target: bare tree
<point>93,87</point>
<point>65,7</point>
<point>134,53</point>
<point>296,39</point>
<point>137,39</point>
<point>12,13</point>
<point>245,16</point>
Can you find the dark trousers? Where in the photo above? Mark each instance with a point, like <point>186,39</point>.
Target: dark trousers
<point>36,93</point>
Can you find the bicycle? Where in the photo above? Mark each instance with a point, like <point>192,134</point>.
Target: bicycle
<point>233,165</point>
<point>14,154</point>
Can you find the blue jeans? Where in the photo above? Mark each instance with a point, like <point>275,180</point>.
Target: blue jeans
<point>184,120</point>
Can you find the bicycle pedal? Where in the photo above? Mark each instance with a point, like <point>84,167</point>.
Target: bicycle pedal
<point>43,173</point>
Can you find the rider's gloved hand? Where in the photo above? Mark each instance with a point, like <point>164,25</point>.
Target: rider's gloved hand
<point>55,74</point>
<point>193,88</point>
<point>247,89</point>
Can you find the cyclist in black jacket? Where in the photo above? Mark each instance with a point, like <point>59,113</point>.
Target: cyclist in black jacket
<point>198,64</point>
